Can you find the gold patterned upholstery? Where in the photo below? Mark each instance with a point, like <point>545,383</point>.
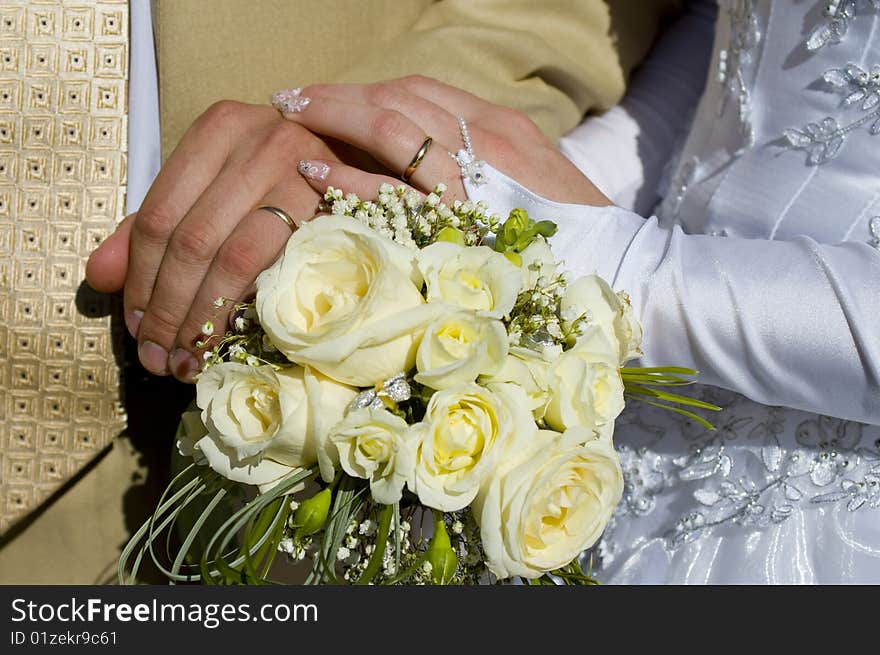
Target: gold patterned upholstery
<point>63,138</point>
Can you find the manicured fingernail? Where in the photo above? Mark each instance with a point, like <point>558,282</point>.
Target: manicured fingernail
<point>133,321</point>
<point>183,365</point>
<point>314,170</point>
<point>290,101</point>
<point>154,357</point>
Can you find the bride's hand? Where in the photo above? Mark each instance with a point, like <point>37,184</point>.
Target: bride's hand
<point>391,120</point>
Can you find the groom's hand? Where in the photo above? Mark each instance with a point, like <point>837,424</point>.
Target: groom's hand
<point>197,235</point>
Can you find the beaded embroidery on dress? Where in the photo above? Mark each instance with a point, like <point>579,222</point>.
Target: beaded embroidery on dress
<point>774,495</point>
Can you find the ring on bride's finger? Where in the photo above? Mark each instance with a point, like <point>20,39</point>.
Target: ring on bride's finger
<point>414,164</point>
<point>280,213</point>
<point>471,167</point>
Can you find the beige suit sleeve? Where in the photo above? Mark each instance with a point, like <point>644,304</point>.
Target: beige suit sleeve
<point>555,60</point>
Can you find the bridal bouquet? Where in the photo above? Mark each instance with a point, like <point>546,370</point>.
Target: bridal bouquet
<point>419,394</point>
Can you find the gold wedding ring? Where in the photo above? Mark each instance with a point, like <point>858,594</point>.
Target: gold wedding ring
<point>280,213</point>
<point>414,164</point>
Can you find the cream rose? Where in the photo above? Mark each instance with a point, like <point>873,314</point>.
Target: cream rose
<point>529,370</point>
<point>609,311</point>
<point>476,278</point>
<point>628,330</point>
<point>458,347</point>
<point>586,389</point>
<point>260,424</point>
<point>541,513</point>
<point>344,300</point>
<point>373,445</point>
<point>458,442</point>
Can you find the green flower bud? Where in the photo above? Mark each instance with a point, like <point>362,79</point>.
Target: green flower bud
<point>440,555</point>
<point>518,220</point>
<point>311,515</point>
<point>451,234</point>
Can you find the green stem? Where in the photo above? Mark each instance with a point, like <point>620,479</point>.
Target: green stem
<point>385,516</point>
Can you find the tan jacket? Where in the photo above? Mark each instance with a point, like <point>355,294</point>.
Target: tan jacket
<point>553,59</point>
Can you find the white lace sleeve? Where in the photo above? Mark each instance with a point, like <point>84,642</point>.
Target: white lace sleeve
<point>790,323</point>
<point>625,150</point>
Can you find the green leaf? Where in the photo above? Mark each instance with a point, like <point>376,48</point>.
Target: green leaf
<point>451,235</point>
<point>546,228</point>
<point>513,257</point>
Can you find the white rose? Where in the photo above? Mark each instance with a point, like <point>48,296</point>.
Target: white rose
<point>628,330</point>
<point>537,261</point>
<point>475,278</point>
<point>261,424</point>
<point>586,389</point>
<point>554,503</point>
<point>344,300</point>
<point>458,442</point>
<point>192,441</point>
<point>610,311</point>
<point>458,347</point>
<point>372,445</point>
<point>529,370</point>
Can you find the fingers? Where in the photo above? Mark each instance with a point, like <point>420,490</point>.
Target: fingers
<point>203,237</point>
<point>251,248</point>
<point>386,134</point>
<point>183,264</point>
<point>188,172</point>
<point>323,174</point>
<point>208,239</point>
<point>433,118</point>
<point>108,264</point>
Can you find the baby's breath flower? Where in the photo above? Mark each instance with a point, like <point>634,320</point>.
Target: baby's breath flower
<point>343,553</point>
<point>208,328</point>
<point>219,302</point>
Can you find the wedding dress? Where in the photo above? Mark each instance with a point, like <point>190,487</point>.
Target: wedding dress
<point>761,269</point>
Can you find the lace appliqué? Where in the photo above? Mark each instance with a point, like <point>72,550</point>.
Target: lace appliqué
<point>874,229</point>
<point>744,36</point>
<point>760,466</point>
<point>823,140</point>
<point>838,14</point>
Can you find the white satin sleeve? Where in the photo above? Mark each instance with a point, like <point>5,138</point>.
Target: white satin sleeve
<point>624,151</point>
<point>790,323</point>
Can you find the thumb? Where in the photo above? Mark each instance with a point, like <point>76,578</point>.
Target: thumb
<point>108,264</point>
